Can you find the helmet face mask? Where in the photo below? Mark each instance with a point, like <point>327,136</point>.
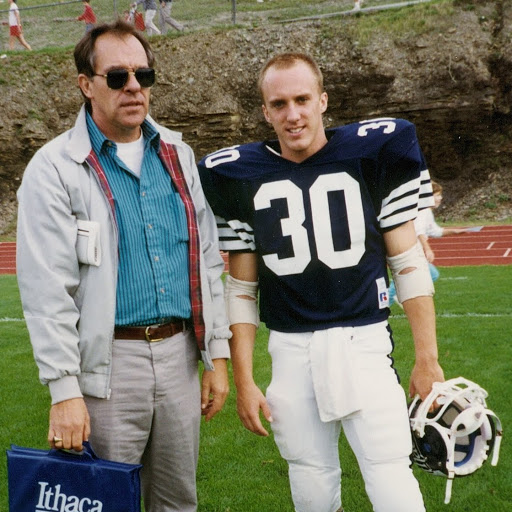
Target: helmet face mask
<point>430,453</point>
<point>457,438</point>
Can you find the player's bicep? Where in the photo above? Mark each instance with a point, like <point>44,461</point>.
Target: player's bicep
<point>400,239</point>
<point>243,266</point>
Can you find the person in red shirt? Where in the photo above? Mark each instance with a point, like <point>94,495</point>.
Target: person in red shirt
<point>87,16</point>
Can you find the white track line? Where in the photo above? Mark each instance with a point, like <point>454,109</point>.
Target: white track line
<point>461,315</point>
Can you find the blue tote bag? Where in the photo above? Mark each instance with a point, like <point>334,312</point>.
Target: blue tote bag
<point>57,480</point>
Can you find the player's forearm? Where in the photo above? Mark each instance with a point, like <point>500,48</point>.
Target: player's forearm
<point>242,347</point>
<point>421,315</point>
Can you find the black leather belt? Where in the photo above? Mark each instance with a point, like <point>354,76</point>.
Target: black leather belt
<point>155,332</point>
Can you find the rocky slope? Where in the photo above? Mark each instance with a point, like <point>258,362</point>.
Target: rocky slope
<point>453,79</point>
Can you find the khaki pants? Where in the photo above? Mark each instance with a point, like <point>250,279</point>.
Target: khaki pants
<point>151,28</point>
<point>165,17</point>
<point>153,417</point>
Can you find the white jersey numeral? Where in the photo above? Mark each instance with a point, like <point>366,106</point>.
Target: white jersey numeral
<point>290,226</point>
<point>389,126</point>
<point>322,223</point>
<point>222,156</point>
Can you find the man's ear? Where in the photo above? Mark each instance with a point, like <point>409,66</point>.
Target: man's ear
<point>323,102</point>
<point>84,82</point>
<point>265,113</point>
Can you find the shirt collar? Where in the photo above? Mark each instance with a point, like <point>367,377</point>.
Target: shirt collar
<point>100,143</point>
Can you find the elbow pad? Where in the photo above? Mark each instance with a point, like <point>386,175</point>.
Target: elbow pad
<point>417,281</point>
<point>241,301</point>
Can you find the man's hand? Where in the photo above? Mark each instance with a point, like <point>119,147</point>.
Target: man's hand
<point>423,378</point>
<point>249,401</point>
<point>69,424</point>
<point>215,389</point>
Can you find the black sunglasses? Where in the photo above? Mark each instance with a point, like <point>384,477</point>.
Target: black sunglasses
<point>117,78</point>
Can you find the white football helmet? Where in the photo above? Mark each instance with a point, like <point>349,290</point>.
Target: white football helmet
<point>456,439</point>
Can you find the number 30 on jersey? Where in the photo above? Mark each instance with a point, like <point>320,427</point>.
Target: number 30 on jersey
<point>293,225</point>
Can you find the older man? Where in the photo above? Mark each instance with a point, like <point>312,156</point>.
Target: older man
<point>120,277</point>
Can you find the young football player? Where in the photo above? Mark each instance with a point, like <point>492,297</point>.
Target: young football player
<point>310,221</point>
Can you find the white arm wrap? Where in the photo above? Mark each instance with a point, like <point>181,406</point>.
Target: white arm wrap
<point>417,282</point>
<point>242,301</point>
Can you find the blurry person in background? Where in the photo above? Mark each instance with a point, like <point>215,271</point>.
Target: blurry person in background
<point>88,16</point>
<point>15,29</point>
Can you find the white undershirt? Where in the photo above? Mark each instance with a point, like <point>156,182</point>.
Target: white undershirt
<point>132,153</point>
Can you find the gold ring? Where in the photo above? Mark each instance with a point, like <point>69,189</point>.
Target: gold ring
<point>57,439</point>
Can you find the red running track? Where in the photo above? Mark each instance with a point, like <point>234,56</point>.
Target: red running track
<point>490,245</point>
<point>7,258</point>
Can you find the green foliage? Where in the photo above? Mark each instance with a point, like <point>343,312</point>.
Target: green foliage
<point>241,472</point>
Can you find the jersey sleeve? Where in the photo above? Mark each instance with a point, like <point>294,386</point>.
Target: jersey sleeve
<point>227,197</point>
<point>406,187</point>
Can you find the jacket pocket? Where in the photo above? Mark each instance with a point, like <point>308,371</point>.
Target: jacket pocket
<point>88,246</point>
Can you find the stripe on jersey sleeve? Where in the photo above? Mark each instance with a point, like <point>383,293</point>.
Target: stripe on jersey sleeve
<point>404,202</point>
<point>235,235</point>
<point>426,199</point>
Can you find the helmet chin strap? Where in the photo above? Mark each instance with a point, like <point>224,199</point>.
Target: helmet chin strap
<point>497,440</point>
<point>448,492</point>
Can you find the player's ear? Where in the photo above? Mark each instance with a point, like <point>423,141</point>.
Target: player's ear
<point>265,113</point>
<point>323,102</point>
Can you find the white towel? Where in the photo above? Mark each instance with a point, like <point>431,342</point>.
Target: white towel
<point>334,379</point>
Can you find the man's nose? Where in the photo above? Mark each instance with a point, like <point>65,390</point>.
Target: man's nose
<point>293,112</point>
<point>132,83</point>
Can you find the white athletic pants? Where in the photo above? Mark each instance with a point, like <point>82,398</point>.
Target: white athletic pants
<point>151,28</point>
<point>379,434</point>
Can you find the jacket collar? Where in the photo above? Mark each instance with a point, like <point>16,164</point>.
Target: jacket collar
<point>79,145</point>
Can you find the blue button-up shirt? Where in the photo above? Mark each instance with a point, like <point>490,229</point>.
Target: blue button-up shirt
<point>153,278</point>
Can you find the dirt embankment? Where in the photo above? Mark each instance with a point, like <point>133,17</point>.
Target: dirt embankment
<point>455,83</point>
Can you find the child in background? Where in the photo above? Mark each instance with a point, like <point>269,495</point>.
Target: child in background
<point>87,16</point>
<point>15,30</point>
<point>426,226</point>
<point>135,17</point>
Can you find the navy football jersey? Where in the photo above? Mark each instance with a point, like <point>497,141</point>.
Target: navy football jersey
<point>317,225</point>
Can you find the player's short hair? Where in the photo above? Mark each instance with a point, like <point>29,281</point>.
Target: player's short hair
<point>436,187</point>
<point>85,55</point>
<point>286,61</point>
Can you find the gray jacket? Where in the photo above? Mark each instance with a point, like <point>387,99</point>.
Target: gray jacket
<point>70,305</point>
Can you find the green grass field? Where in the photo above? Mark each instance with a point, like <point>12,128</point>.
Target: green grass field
<point>240,472</point>
<point>51,26</point>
